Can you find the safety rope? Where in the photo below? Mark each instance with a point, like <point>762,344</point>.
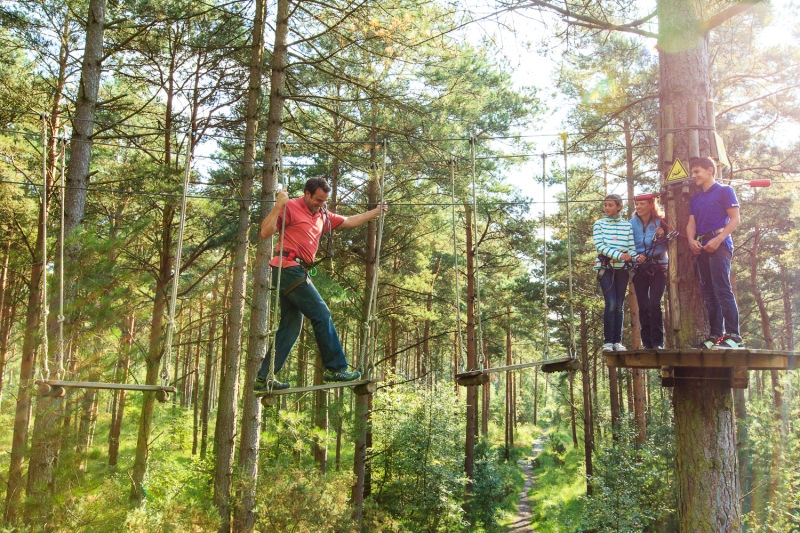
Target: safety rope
<point>460,338</point>
<point>45,310</point>
<point>545,309</point>
<point>477,262</point>
<point>277,168</point>
<point>177,269</point>
<point>570,326</point>
<point>367,344</point>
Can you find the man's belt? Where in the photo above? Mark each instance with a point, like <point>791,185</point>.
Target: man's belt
<point>292,256</point>
<point>708,234</point>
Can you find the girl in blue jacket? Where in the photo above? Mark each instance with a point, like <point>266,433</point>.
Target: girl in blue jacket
<point>649,279</point>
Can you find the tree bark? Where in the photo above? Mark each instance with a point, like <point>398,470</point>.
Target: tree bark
<point>707,473</point>
<point>472,357</point>
<point>707,476</point>
<point>118,406</point>
<point>320,419</point>
<point>243,517</point>
<point>588,424</point>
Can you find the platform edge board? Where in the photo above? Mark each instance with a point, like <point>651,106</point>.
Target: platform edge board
<point>696,358</point>
<point>103,386</point>
<point>312,388</point>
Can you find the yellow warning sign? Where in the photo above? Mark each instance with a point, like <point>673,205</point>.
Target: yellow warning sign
<point>677,172</point>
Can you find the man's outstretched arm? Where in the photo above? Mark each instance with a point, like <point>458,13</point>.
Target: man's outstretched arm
<point>356,220</point>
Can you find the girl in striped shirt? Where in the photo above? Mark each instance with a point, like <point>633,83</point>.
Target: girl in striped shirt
<point>613,239</point>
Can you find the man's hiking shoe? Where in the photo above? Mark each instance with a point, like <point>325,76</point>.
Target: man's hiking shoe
<point>268,385</point>
<point>710,342</point>
<point>619,347</point>
<point>608,347</point>
<point>729,341</point>
<point>340,375</point>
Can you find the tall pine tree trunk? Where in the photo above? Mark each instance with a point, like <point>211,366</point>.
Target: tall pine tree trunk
<point>706,467</point>
<point>244,519</point>
<point>472,356</point>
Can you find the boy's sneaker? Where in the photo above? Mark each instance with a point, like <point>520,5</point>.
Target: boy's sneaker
<point>710,342</point>
<point>619,347</point>
<point>340,375</point>
<point>729,341</point>
<point>268,385</point>
<point>608,347</point>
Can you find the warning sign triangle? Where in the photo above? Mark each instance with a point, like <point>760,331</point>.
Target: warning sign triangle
<point>677,172</point>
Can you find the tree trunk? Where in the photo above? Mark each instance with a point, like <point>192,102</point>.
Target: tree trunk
<point>196,385</point>
<point>509,441</point>
<point>155,352</point>
<point>208,366</point>
<point>31,340</point>
<point>573,422</point>
<point>320,419</point>
<point>588,424</point>
<point>118,406</point>
<point>244,519</point>
<point>707,471</point>
<point>535,394</point>
<point>613,394</point>
<point>472,357</point>
<point>706,468</point>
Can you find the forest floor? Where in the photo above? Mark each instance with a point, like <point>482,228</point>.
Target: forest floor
<point>522,522</point>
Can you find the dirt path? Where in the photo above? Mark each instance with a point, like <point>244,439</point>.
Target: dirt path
<point>522,522</point>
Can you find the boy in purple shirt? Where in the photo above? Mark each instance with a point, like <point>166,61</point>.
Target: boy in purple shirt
<point>713,215</point>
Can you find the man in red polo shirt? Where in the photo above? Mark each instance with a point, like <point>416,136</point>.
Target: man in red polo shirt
<point>304,223</point>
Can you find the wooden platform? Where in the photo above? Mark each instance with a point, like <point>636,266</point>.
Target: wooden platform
<point>694,358</point>
<point>99,385</point>
<point>367,385</point>
<point>730,365</point>
<point>480,376</point>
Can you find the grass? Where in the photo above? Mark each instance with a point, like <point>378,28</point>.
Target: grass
<point>555,496</point>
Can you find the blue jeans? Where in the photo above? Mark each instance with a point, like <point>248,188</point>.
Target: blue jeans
<point>613,283</point>
<point>304,300</point>
<point>650,281</point>
<point>714,272</point>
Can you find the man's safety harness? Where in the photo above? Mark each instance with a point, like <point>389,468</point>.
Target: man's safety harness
<point>310,268</point>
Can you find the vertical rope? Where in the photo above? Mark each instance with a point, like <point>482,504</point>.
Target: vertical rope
<point>544,259</point>
<point>572,352</point>
<point>368,346</point>
<point>45,310</point>
<point>60,354</point>
<point>477,262</point>
<point>177,269</point>
<point>460,344</point>
<point>278,166</point>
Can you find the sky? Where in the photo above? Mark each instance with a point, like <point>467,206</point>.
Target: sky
<point>516,34</point>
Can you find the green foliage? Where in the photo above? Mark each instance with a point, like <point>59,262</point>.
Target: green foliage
<point>495,480</point>
<point>632,489</point>
<point>417,466</point>
<point>301,499</point>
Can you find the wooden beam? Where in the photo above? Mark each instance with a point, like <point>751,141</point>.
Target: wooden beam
<point>104,386</point>
<point>325,386</point>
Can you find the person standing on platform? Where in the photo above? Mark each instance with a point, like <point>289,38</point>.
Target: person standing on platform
<point>649,278</point>
<point>613,239</point>
<point>713,216</point>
